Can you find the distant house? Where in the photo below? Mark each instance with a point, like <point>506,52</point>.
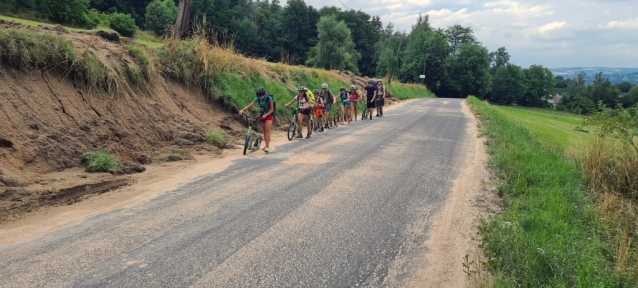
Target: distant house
<point>555,100</point>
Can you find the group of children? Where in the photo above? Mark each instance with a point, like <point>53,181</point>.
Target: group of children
<point>319,103</point>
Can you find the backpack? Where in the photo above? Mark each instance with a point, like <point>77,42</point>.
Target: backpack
<point>311,96</point>
<point>328,97</point>
<point>269,97</point>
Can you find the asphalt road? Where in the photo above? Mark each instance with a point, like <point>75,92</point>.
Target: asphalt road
<point>336,210</point>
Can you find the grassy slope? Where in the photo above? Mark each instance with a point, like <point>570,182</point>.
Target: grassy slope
<point>551,127</point>
<point>409,91</point>
<point>546,235</point>
<point>145,39</point>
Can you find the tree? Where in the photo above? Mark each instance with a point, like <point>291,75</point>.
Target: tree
<point>335,47</point>
<point>540,86</point>
<point>630,99</point>
<point>508,84</point>
<point>387,51</point>
<point>624,87</point>
<point>123,24</point>
<point>561,83</point>
<point>245,36</point>
<point>435,69</point>
<point>499,58</point>
<point>458,35</point>
<point>299,29</point>
<point>413,56</point>
<point>218,14</point>
<point>135,8</point>
<point>469,71</point>
<point>160,16</point>
<point>66,11</point>
<point>576,99</point>
<point>602,90</point>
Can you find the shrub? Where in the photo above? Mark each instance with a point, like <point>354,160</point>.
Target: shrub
<point>123,24</point>
<point>160,16</point>
<point>216,139</point>
<point>98,161</point>
<point>96,19</point>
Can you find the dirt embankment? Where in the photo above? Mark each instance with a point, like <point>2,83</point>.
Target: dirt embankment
<point>47,122</point>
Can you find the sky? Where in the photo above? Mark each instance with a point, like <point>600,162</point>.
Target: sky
<point>549,33</point>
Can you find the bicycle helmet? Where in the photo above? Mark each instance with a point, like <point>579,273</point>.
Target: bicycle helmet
<point>379,80</point>
<point>324,86</point>
<point>353,87</point>
<point>342,89</point>
<point>370,81</point>
<point>260,91</point>
<point>315,91</point>
<point>301,88</point>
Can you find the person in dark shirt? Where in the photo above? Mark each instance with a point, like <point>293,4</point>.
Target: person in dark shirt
<point>371,94</point>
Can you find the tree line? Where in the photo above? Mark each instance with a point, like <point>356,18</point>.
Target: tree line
<point>454,62</point>
<point>580,98</point>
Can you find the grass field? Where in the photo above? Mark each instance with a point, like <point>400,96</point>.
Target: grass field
<point>548,232</point>
<point>145,39</point>
<point>552,128</point>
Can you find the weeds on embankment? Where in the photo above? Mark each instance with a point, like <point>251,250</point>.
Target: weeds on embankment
<point>548,234</point>
<point>611,168</point>
<point>99,161</point>
<point>27,50</point>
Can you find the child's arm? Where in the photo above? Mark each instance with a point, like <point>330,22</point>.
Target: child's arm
<point>247,107</point>
<point>289,103</point>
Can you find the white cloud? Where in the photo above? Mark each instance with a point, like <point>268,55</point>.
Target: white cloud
<point>549,27</point>
<point>629,24</point>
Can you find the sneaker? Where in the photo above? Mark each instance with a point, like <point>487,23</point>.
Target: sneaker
<point>299,136</point>
<point>308,137</point>
<point>378,115</point>
<point>321,129</point>
<point>266,150</point>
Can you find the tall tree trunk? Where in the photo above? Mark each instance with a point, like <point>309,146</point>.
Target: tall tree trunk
<point>183,16</point>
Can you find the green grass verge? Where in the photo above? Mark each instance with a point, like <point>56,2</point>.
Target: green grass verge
<point>408,91</point>
<point>547,234</point>
<point>564,130</point>
<point>98,161</point>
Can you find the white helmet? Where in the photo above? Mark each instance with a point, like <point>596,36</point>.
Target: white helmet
<point>324,86</point>
<point>379,80</point>
<point>353,87</point>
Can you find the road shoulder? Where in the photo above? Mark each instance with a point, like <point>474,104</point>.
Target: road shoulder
<point>453,234</point>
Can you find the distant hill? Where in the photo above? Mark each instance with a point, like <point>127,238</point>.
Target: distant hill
<point>615,75</point>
